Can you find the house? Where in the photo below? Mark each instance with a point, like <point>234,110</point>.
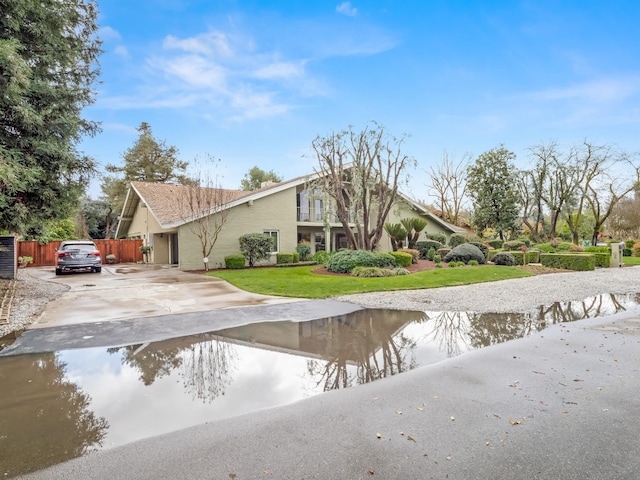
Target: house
<point>291,211</point>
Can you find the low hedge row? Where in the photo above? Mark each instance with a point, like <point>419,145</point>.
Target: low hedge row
<point>568,261</point>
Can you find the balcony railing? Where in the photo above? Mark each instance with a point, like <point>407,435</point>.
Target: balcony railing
<point>314,216</point>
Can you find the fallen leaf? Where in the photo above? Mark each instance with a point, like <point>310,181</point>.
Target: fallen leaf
<point>409,437</point>
<point>605,409</point>
<point>399,412</point>
<point>453,419</point>
<point>267,472</point>
<point>544,403</point>
<point>232,475</point>
<point>375,398</point>
<point>514,422</point>
<point>421,409</point>
<point>539,373</point>
<point>496,415</point>
<point>401,433</point>
<point>378,435</point>
<point>449,457</point>
<point>371,472</point>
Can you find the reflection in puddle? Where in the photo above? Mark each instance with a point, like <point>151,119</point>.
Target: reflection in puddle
<point>57,406</point>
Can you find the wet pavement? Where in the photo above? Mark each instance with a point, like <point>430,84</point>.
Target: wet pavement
<point>137,290</point>
<point>561,403</point>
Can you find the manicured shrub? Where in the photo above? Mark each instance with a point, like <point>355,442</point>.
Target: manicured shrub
<point>372,272</point>
<point>456,239</point>
<point>597,249</point>
<point>438,265</point>
<point>626,252</point>
<point>568,261</point>
<point>513,245</point>
<point>629,244</point>
<point>423,247</point>
<point>321,256</point>
<point>431,253</point>
<point>256,247</point>
<point>437,258</point>
<point>473,262</point>
<point>504,258</point>
<point>284,257</point>
<point>464,253</point>
<point>545,247</point>
<point>442,251</point>
<point>564,247</point>
<point>437,236</point>
<point>533,256</point>
<point>402,259</point>
<point>635,250</point>
<point>602,259</point>
<point>304,250</point>
<point>415,254</point>
<point>484,248</point>
<point>401,271</point>
<point>234,261</point>
<point>345,261</point>
<point>496,243</point>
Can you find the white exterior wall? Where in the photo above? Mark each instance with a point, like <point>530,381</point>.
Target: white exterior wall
<point>273,212</point>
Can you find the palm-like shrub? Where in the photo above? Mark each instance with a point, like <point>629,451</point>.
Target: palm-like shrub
<point>397,233</point>
<point>464,253</point>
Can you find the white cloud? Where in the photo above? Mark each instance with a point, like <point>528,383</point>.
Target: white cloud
<point>122,51</point>
<point>280,70</point>
<point>108,33</point>
<point>210,43</point>
<point>346,9</point>
<point>603,90</point>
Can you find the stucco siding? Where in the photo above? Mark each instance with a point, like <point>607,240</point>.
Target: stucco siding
<point>275,212</point>
<point>143,222</point>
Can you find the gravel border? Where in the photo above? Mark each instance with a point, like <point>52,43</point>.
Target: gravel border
<point>517,295</point>
<point>31,295</point>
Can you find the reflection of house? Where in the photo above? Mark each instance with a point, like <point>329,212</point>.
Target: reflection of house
<point>290,211</point>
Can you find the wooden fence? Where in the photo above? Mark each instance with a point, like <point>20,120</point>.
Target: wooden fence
<point>126,251</point>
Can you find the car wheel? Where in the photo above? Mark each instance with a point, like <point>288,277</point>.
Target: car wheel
<point>97,269</point>
<point>58,271</point>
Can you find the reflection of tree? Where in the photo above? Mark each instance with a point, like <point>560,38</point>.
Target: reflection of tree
<point>366,339</point>
<point>451,331</point>
<point>43,416</point>
<point>207,368</point>
<point>152,363</point>
<point>457,332</point>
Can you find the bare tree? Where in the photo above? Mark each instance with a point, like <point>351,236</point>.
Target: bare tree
<point>203,208</point>
<point>361,173</point>
<point>624,221</point>
<point>605,191</point>
<point>528,184</point>
<point>449,187</point>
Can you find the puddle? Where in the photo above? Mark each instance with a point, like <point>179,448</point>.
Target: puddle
<point>57,406</point>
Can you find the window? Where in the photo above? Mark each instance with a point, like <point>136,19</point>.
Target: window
<point>275,240</point>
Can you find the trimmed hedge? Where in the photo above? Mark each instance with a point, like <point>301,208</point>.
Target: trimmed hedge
<point>568,261</point>
<point>345,261</point>
<point>495,243</point>
<point>234,261</point>
<point>415,254</point>
<point>603,259</point>
<point>533,256</point>
<point>403,259</point>
<point>457,239</point>
<point>513,245</point>
<point>437,236</point>
<point>287,257</point>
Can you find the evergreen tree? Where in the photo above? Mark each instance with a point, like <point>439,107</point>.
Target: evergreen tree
<point>148,160</point>
<point>254,178</point>
<point>48,64</point>
<point>491,186</point>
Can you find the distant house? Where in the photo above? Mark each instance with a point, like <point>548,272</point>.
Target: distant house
<point>290,211</point>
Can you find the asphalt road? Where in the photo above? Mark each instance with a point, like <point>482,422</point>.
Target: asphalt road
<point>561,404</point>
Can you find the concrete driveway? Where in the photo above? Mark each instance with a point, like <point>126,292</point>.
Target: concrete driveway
<point>136,290</point>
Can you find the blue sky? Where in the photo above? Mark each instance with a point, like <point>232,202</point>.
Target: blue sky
<point>254,82</point>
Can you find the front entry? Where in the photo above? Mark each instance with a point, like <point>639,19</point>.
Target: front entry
<point>173,249</point>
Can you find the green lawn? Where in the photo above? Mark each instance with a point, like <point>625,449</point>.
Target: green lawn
<point>302,283</point>
<point>631,260</point>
